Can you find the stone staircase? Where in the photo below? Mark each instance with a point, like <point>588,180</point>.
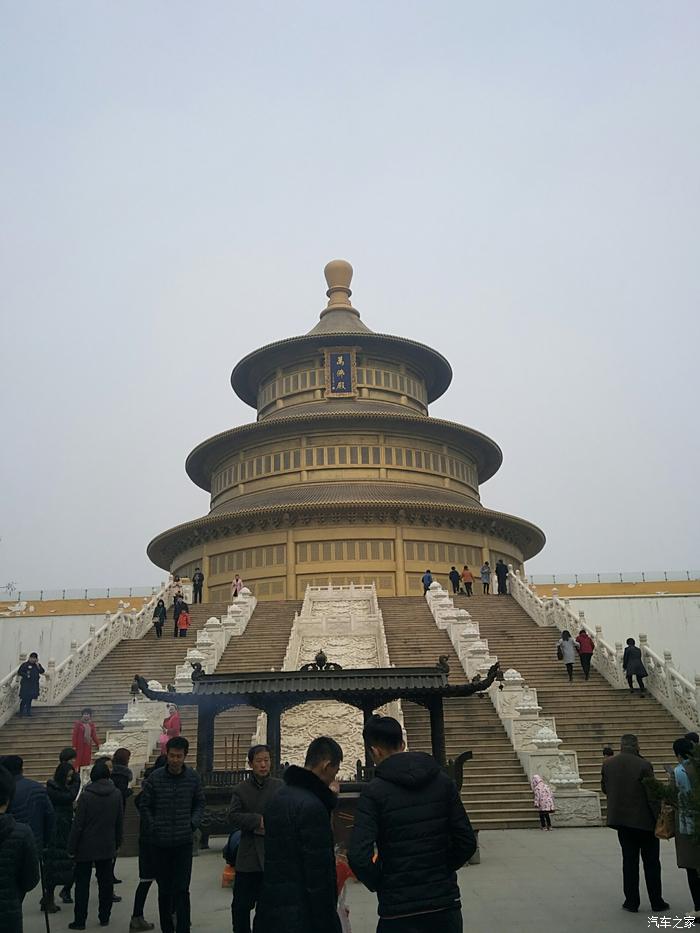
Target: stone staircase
<point>589,714</point>
<point>260,648</point>
<point>496,791</point>
<point>106,689</point>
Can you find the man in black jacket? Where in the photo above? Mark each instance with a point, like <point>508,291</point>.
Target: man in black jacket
<point>94,838</point>
<point>19,862</point>
<point>413,814</point>
<point>299,890</point>
<point>172,806</point>
<point>29,674</point>
<point>197,584</point>
<point>248,805</point>
<point>30,802</point>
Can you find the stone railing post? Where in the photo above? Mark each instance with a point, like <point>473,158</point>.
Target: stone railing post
<point>215,630</point>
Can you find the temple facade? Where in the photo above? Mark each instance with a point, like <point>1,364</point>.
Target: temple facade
<point>344,476</point>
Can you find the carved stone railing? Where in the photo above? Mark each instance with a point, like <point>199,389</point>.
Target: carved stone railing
<point>213,638</point>
<point>141,726</point>
<point>533,737</point>
<point>674,691</point>
<point>62,677</point>
<point>347,623</point>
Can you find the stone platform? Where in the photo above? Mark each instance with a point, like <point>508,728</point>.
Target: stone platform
<point>534,882</point>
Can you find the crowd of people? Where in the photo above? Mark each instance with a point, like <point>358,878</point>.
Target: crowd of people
<point>410,836</point>
<point>462,582</point>
<point>287,866</point>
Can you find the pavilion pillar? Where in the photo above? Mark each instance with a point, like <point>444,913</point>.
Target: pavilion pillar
<point>274,733</point>
<point>205,737</point>
<point>437,730</point>
<point>367,712</point>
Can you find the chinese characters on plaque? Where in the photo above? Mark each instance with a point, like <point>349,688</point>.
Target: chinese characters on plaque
<point>340,372</point>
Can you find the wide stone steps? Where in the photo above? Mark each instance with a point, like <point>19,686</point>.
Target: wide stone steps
<point>496,792</point>
<point>589,714</point>
<point>106,689</point>
<point>262,647</point>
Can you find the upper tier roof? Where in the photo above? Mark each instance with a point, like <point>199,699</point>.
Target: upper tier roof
<point>339,324</point>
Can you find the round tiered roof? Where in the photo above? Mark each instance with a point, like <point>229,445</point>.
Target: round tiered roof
<point>341,322</point>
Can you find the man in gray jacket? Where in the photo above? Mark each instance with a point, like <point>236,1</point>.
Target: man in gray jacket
<point>246,813</point>
<point>632,812</point>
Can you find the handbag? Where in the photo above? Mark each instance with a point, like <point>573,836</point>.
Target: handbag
<point>665,822</point>
<point>560,653</point>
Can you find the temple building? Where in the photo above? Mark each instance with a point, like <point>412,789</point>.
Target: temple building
<point>344,476</point>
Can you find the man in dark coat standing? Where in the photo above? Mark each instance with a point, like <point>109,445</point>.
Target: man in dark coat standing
<point>172,807</point>
<point>29,674</point>
<point>413,814</point>
<point>502,577</point>
<point>299,890</point>
<point>247,813</point>
<point>197,584</point>
<point>632,812</point>
<point>30,802</point>
<point>19,862</point>
<point>94,838</point>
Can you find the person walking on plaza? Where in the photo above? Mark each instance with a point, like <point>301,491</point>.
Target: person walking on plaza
<point>147,865</point>
<point>502,577</point>
<point>19,861</point>
<point>58,865</point>
<point>29,674</point>
<point>30,803</point>
<point>197,585</point>
<point>632,811</point>
<point>633,666</point>
<point>247,814</point>
<point>467,580</point>
<point>454,580</point>
<point>159,616</point>
<point>172,726</point>
<point>586,647</point>
<point>543,800</point>
<point>426,580</point>
<point>685,779</point>
<point>95,836</point>
<point>236,587</point>
<point>485,577</point>
<point>299,892</point>
<point>412,815</point>
<point>172,806</point>
<point>566,652</point>
<point>83,739</point>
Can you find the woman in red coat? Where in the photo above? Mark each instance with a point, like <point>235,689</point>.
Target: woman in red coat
<point>84,737</point>
<point>586,647</point>
<point>171,727</point>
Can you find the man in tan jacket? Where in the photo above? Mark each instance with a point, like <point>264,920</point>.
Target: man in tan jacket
<point>632,812</point>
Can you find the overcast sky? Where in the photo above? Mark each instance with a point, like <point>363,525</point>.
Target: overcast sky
<point>515,183</point>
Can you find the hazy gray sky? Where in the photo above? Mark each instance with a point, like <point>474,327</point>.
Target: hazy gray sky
<point>515,183</point>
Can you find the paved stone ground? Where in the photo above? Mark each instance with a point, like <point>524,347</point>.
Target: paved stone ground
<point>567,880</point>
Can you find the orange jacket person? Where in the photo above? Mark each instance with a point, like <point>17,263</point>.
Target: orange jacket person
<point>84,737</point>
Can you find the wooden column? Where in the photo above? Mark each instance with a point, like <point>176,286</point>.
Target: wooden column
<point>437,730</point>
<point>205,737</point>
<point>274,733</point>
<point>367,711</point>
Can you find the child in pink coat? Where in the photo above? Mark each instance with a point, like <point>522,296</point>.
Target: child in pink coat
<point>544,801</point>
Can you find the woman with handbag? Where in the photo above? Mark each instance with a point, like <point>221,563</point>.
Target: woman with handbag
<point>566,652</point>
<point>685,778</point>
